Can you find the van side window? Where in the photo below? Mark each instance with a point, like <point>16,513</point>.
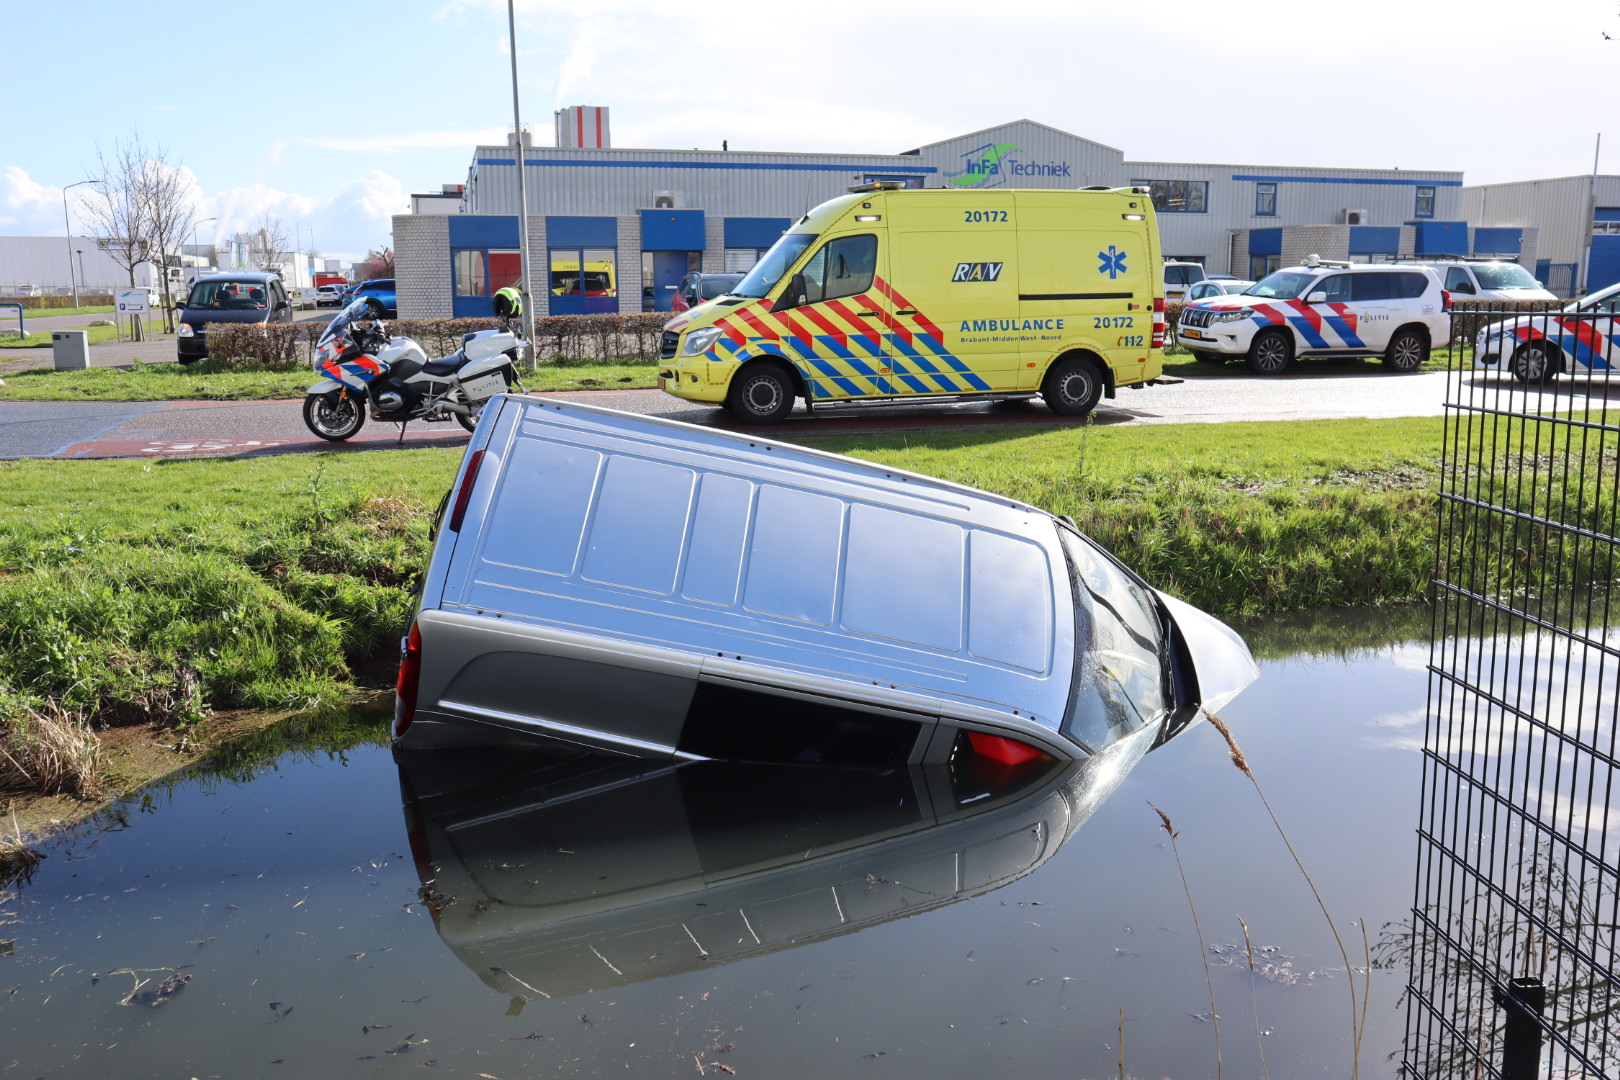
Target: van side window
<point>1337,287</point>
<point>1457,280</point>
<point>843,267</point>
<point>1372,286</point>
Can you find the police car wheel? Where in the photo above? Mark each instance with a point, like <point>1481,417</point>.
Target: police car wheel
<point>1407,351</point>
<point>1535,362</point>
<point>1072,387</point>
<point>333,418</point>
<point>1271,352</point>
<point>762,393</point>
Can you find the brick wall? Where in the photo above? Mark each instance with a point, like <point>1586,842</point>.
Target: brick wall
<point>539,266</point>
<point>714,244</point>
<point>1328,241</point>
<point>629,268</point>
<point>422,266</point>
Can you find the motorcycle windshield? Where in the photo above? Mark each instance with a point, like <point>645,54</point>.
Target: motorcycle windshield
<point>339,326</point>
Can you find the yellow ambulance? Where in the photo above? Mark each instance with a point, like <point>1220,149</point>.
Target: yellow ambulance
<point>905,295</point>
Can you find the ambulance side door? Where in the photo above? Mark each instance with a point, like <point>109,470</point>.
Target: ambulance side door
<point>955,294</point>
<point>837,337</point>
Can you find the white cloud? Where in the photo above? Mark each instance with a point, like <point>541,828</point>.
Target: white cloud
<point>397,143</point>
<point>27,208</point>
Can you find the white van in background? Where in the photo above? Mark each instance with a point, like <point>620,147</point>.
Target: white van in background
<point>1486,279</point>
<point>1179,277</point>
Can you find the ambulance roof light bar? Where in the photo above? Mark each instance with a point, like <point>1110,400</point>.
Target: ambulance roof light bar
<point>878,185</point>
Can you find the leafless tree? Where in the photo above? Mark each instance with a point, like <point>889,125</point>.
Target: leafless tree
<point>268,243</point>
<point>378,264</point>
<point>141,210</point>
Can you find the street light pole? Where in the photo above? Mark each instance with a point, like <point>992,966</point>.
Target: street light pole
<point>68,224</point>
<point>523,196</point>
<point>195,225</point>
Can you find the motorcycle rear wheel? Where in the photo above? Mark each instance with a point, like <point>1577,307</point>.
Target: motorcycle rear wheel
<point>469,420</point>
<point>334,418</point>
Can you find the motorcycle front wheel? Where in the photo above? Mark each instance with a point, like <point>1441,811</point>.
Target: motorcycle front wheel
<point>334,418</point>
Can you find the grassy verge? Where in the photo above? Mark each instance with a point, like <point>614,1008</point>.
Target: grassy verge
<point>95,335</point>
<point>1178,361</point>
<point>201,381</point>
<point>9,314</point>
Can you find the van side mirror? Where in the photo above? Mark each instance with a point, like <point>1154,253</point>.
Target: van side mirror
<point>795,295</point>
<point>1466,287</point>
<point>1316,298</point>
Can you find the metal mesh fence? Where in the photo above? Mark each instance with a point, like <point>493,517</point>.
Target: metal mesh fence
<point>1516,906</point>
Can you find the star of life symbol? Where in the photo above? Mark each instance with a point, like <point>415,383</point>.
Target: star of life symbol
<point>1113,262</point>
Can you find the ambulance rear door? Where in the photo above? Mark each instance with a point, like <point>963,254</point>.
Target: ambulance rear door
<point>954,291</point>
<point>1085,279</point>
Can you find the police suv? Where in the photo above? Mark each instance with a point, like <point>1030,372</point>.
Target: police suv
<point>1324,308</point>
<point>1538,347</point>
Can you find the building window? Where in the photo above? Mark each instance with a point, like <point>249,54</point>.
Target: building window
<point>1261,265</point>
<point>485,271</point>
<point>1177,196</point>
<point>584,281</point>
<point>1265,199</point>
<point>1425,203</point>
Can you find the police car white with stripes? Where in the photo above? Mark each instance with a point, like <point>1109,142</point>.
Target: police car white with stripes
<point>1324,308</point>
<point>1538,347</point>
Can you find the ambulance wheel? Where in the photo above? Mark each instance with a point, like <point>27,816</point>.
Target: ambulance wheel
<point>333,418</point>
<point>1408,350</point>
<point>761,393</point>
<point>1536,362</point>
<point>1208,357</point>
<point>1072,386</point>
<point>1271,352</point>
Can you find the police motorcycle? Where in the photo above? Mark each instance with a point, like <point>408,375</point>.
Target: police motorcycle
<point>391,377</point>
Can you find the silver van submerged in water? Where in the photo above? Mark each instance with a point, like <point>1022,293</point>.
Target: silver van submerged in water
<point>657,589</point>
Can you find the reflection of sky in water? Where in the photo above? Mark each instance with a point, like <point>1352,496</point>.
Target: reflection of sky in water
<point>298,890</point>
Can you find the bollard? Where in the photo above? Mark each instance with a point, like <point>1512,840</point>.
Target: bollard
<point>71,349</point>
<point>1523,1000</point>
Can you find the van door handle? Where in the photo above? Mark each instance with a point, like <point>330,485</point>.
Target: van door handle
<point>906,311</point>
<point>869,314</point>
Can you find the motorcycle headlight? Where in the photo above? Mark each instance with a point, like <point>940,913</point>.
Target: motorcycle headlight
<point>185,331</point>
<point>700,341</point>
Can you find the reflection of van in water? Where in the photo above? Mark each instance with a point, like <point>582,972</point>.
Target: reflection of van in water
<point>566,278</point>
<point>888,294</point>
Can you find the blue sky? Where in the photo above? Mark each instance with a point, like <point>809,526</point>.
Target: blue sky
<point>328,115</point>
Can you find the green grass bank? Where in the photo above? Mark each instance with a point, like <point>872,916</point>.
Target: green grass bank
<point>134,591</point>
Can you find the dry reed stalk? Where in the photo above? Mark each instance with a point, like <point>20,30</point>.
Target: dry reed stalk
<point>53,752</point>
<point>17,857</point>
<point>1357,1015</point>
<point>1254,1000</point>
<point>1203,950</point>
<point>1122,1043</point>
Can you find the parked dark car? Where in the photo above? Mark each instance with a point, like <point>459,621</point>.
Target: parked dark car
<point>229,298</point>
<point>380,291</point>
<point>696,289</point>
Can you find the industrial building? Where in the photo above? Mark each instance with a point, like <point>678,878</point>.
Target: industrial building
<point>614,230</point>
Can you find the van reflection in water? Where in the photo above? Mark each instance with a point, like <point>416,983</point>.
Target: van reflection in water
<point>558,872</point>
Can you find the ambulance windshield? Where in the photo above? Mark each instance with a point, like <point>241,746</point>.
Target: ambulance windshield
<point>775,262</point>
<point>1283,285</point>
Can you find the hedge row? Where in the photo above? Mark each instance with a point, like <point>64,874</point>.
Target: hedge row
<point>559,339</point>
<point>37,303</point>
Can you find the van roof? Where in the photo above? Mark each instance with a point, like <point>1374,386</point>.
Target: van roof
<point>799,560</point>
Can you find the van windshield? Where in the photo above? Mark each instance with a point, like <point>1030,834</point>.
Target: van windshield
<point>1282,285</point>
<point>769,270</point>
<point>1119,669</point>
<point>1504,276</point>
<point>228,295</point>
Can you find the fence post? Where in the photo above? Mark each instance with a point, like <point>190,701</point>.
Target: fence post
<point>1523,1000</point>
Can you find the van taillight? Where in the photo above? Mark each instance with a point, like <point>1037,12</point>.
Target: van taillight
<point>1158,322</point>
<point>465,492</point>
<point>410,677</point>
<point>1002,750</point>
<point>1445,300</point>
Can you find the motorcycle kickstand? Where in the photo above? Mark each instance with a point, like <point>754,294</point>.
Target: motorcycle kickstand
<point>401,438</point>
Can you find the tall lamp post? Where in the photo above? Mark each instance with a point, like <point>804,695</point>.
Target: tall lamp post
<point>523,195</point>
<point>69,225</point>
<point>195,225</point>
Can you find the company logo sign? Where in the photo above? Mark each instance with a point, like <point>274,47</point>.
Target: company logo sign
<point>992,164</point>
<point>980,271</point>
